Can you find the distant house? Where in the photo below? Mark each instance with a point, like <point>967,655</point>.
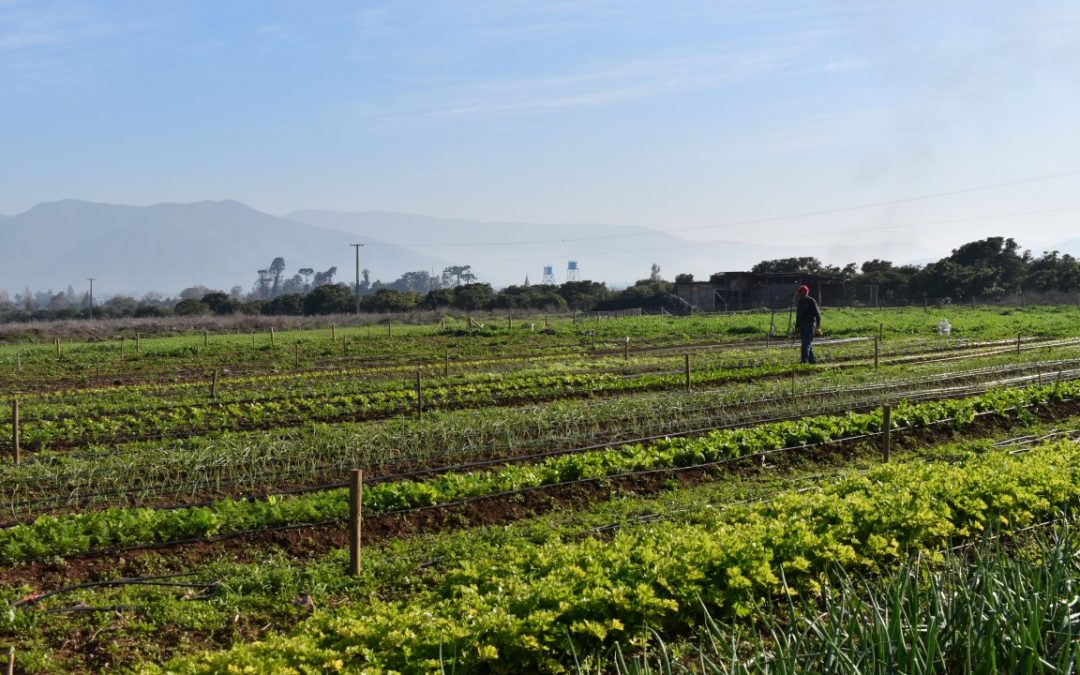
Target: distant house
<point>735,291</point>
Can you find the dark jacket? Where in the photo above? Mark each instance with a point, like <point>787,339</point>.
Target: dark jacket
<point>806,313</point>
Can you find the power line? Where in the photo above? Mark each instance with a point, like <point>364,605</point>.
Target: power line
<point>714,242</point>
<point>759,221</point>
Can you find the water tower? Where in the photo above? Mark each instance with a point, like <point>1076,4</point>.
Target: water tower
<point>572,271</point>
<point>549,275</point>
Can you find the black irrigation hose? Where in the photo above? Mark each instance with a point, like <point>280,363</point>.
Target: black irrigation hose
<point>156,580</point>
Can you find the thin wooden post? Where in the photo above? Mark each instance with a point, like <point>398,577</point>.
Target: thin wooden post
<point>510,322</point>
<point>1038,372</point>
<point>356,498</point>
<point>390,328</point>
<point>344,345</point>
<point>15,447</point>
<point>875,352</point>
<point>686,367</point>
<point>271,336</point>
<point>419,396</point>
<point>206,338</point>
<point>598,317</point>
<point>886,432</point>
<point>58,346</point>
<point>546,321</point>
<point>626,349</point>
<point>881,330</point>
<point>213,384</point>
<point>11,661</point>
<point>296,353</point>
<point>446,362</point>
<point>333,332</point>
<point>138,340</point>
<point>794,366</point>
<point>1017,344</point>
<point>252,339</point>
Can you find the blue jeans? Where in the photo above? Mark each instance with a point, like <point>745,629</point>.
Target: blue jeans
<point>806,351</point>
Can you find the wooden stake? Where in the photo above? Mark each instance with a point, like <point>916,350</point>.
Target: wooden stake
<point>213,385</point>
<point>686,365</point>
<point>626,349</point>
<point>419,396</point>
<point>344,345</point>
<point>510,321</point>
<point>252,339</point>
<point>356,498</point>
<point>138,339</point>
<point>446,362</point>
<point>11,661</point>
<point>271,336</point>
<point>881,330</point>
<point>886,432</point>
<point>1018,344</point>
<point>333,332</point>
<point>875,352</point>
<point>390,328</point>
<point>15,430</point>
<point>793,367</point>
<point>206,338</point>
<point>296,352</point>
<point>58,346</point>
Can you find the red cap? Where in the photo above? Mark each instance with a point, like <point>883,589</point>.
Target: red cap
<point>804,289</point>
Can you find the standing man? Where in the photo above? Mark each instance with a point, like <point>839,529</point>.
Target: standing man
<point>807,323</point>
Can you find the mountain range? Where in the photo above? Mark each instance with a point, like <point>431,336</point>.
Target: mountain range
<point>221,244</point>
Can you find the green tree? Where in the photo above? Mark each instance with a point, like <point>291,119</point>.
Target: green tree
<point>473,296</point>
<point>329,299</point>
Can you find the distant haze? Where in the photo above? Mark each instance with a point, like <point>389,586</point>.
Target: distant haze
<point>221,244</point>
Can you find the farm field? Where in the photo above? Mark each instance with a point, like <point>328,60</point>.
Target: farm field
<point>541,494</point>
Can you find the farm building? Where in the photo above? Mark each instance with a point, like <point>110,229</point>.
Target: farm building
<point>734,291</point>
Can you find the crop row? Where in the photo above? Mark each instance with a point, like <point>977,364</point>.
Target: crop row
<point>493,390</point>
<point>535,606</point>
<point>271,387</point>
<point>185,356</point>
<point>200,468</point>
<point>78,533</point>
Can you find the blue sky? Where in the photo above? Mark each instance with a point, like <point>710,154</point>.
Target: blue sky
<point>684,115</point>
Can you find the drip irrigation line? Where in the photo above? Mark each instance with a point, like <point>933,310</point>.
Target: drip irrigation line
<point>156,580</point>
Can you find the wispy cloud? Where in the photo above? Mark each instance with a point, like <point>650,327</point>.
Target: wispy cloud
<point>27,25</point>
<point>594,84</point>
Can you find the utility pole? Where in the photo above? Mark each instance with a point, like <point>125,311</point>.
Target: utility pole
<point>357,247</point>
<point>91,280</point>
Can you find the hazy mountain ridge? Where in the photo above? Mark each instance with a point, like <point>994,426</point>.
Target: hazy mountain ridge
<point>221,244</point>
<point>164,247</point>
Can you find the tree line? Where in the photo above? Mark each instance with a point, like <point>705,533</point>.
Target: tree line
<point>987,270</point>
